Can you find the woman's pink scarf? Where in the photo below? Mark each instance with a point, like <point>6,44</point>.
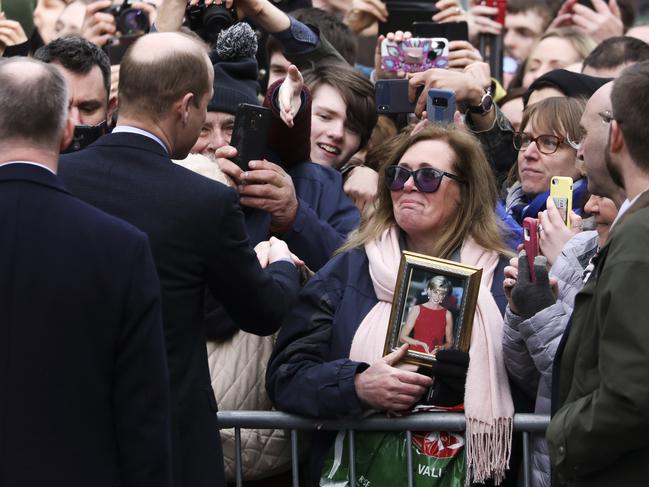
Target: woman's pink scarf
<point>487,402</point>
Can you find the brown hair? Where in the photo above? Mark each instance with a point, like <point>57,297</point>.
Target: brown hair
<point>383,134</point>
<point>547,10</point>
<point>356,91</point>
<point>630,107</point>
<point>152,85</point>
<point>556,115</point>
<point>475,216</point>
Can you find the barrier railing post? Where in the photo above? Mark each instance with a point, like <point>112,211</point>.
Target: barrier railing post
<point>237,457</point>
<point>409,457</point>
<point>295,459</point>
<point>352,458</point>
<point>527,480</point>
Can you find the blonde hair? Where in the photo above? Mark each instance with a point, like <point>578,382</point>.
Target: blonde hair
<point>439,282</point>
<point>581,43</point>
<point>475,216</point>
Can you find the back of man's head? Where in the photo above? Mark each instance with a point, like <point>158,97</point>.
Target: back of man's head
<point>158,70</point>
<point>631,110</point>
<point>613,54</point>
<point>34,101</point>
<point>77,55</point>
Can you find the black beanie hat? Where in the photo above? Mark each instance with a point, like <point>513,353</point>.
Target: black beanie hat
<point>235,69</point>
<point>569,83</point>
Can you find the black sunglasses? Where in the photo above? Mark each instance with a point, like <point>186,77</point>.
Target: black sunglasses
<point>427,179</point>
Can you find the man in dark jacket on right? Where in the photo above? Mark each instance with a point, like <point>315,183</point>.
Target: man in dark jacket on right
<point>599,434</point>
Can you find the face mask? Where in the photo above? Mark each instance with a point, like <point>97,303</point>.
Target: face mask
<point>84,135</point>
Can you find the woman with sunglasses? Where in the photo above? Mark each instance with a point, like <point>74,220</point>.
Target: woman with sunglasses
<point>547,147</point>
<point>436,197</point>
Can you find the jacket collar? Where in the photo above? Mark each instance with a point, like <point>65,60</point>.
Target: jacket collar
<point>134,141</point>
<point>641,202</point>
<point>30,173</point>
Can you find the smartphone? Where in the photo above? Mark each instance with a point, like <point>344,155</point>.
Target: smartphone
<point>440,106</point>
<point>453,31</point>
<point>414,55</point>
<point>117,47</point>
<point>250,133</point>
<point>501,5</point>
<point>561,192</point>
<point>531,243</point>
<point>402,13</point>
<point>392,96</point>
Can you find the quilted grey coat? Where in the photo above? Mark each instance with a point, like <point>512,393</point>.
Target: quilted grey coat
<point>529,345</point>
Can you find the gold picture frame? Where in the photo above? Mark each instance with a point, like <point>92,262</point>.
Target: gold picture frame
<point>439,294</point>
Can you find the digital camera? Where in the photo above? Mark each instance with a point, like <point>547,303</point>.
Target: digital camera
<point>129,21</point>
<point>208,21</point>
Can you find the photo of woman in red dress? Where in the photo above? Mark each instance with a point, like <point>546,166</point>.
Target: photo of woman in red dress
<point>429,326</point>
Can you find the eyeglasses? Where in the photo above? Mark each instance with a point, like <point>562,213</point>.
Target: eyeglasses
<point>545,143</point>
<point>427,179</point>
<point>606,116</point>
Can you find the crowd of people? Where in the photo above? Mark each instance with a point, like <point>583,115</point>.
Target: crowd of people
<point>149,278</point>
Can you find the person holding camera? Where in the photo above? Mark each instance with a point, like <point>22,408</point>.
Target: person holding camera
<point>104,21</point>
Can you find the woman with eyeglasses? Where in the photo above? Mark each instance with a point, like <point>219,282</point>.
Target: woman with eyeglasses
<point>436,197</point>
<point>547,145</point>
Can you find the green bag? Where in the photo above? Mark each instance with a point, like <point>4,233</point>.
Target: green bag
<point>381,460</point>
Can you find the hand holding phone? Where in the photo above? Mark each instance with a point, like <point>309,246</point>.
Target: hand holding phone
<point>531,243</point>
<point>440,106</point>
<point>414,55</point>
<point>250,134</point>
<point>501,5</point>
<point>561,192</point>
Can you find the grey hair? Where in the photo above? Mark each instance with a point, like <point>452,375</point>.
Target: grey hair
<point>34,107</point>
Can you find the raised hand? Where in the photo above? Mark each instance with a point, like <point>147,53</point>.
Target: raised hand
<point>529,297</point>
<point>290,95</point>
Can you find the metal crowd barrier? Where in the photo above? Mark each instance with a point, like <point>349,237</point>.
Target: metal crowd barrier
<point>525,423</point>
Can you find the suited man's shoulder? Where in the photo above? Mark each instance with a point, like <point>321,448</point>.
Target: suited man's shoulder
<point>102,225</point>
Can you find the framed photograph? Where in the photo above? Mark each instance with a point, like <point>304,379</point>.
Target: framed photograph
<point>433,308</point>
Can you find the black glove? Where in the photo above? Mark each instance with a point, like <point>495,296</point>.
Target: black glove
<point>449,374</point>
<point>531,297</point>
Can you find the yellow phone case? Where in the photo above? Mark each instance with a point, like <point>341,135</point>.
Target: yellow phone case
<point>561,192</point>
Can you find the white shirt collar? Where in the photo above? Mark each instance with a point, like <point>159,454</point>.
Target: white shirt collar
<point>30,163</point>
<point>623,208</point>
<point>134,130</point>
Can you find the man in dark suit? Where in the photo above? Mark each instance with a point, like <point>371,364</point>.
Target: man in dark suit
<point>195,226</point>
<point>84,395</point>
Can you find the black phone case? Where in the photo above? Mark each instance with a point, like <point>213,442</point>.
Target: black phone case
<point>404,12</point>
<point>453,31</point>
<point>250,133</point>
<point>392,96</point>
